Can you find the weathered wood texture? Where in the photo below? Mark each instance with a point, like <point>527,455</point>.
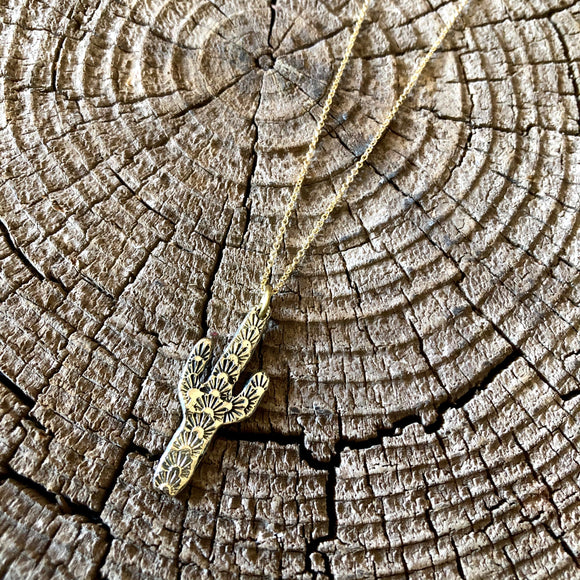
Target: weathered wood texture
<point>422,419</point>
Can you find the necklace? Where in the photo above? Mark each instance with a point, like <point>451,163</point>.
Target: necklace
<point>206,405</point>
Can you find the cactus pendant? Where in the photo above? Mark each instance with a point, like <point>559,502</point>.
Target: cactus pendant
<point>206,405</point>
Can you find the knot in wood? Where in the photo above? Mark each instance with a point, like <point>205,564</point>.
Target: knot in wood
<point>266,61</point>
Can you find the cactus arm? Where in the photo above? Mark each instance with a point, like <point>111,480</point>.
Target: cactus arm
<point>244,404</point>
<point>239,350</point>
<point>195,365</point>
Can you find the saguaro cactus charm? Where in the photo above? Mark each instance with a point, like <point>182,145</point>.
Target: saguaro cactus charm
<point>210,404</point>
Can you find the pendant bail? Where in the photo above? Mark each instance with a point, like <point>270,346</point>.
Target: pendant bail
<point>265,301</point>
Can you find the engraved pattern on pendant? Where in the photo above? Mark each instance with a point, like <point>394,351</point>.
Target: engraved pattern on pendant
<point>210,404</point>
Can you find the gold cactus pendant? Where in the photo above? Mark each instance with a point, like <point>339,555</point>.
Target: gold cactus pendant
<point>209,404</point>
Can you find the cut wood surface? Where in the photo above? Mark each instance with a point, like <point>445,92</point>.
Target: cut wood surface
<point>422,419</point>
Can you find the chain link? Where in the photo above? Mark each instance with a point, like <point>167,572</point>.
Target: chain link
<point>265,281</point>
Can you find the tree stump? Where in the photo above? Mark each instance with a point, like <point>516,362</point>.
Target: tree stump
<point>422,416</point>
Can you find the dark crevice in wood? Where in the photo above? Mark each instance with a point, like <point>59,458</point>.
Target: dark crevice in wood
<point>428,509</point>
<point>512,568</point>
<point>322,38</point>
<point>440,410</point>
<point>559,538</point>
<point>177,560</point>
<point>55,63</point>
<point>522,132</point>
<point>570,395</point>
<point>115,478</point>
<point>21,255</point>
<point>272,22</point>
<point>458,564</point>
<point>58,51</point>
<point>69,507</point>
<point>102,561</point>
<point>215,514</point>
<point>65,504</point>
<point>25,399</point>
<point>281,439</point>
<point>254,164</point>
<point>313,545</point>
<point>389,432</point>
<point>97,286</point>
<point>208,100</point>
<point>515,348</point>
<point>421,345</point>
<point>137,196</point>
<point>142,451</point>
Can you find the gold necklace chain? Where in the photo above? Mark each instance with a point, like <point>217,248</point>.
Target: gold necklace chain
<point>267,290</point>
